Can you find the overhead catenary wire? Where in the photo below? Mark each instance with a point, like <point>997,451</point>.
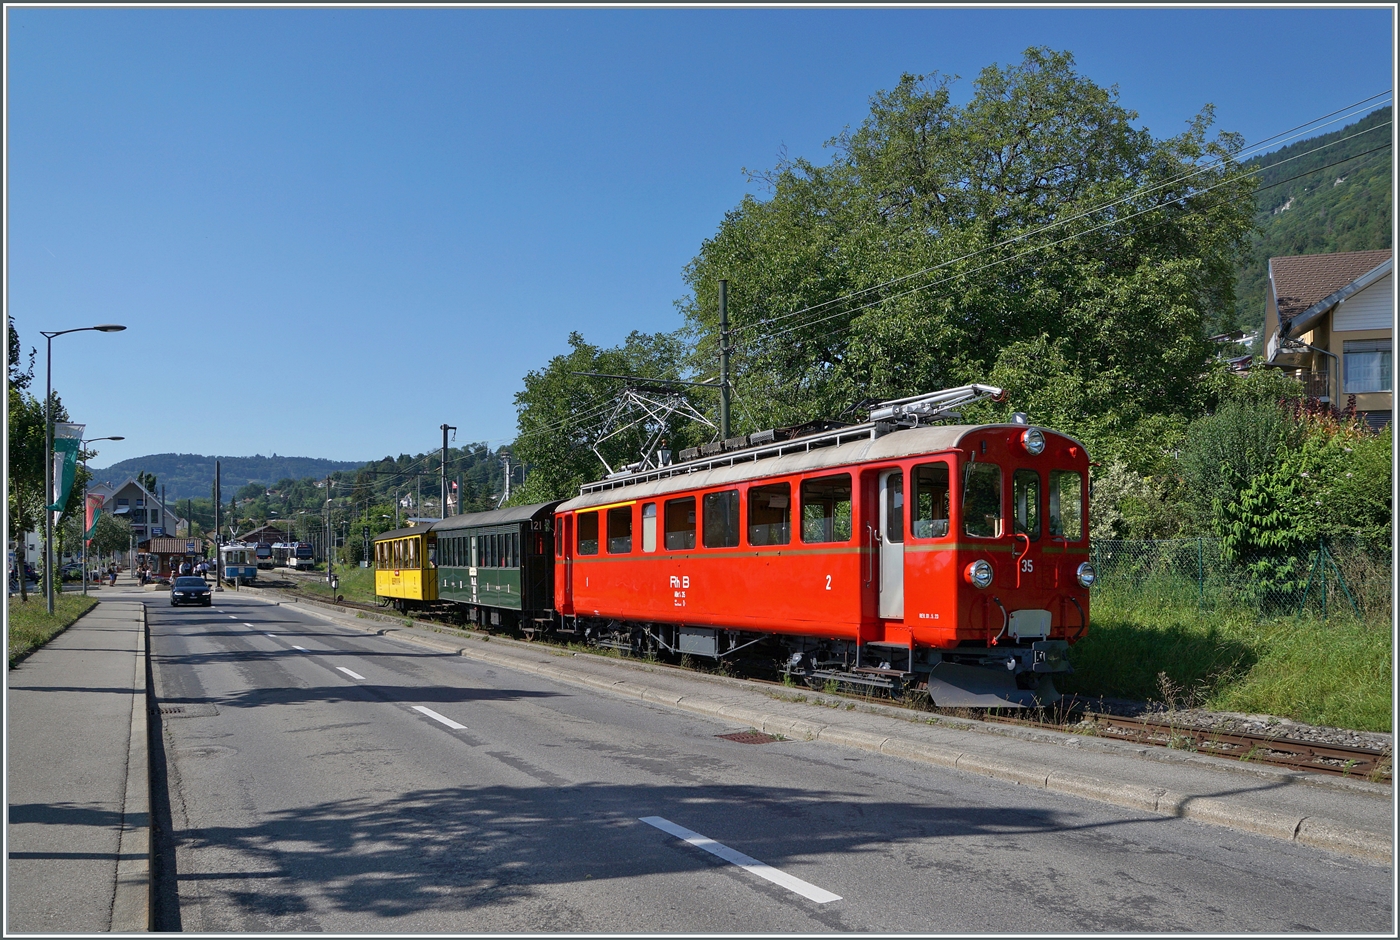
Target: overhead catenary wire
<point>1040,247</point>
<point>1136,194</point>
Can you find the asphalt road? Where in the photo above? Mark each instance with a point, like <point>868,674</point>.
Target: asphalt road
<point>322,779</point>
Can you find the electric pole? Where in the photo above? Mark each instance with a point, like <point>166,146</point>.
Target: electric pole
<point>724,360</point>
<point>442,509</point>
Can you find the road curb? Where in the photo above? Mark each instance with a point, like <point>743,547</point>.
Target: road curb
<point>131,902</point>
<point>1315,832</point>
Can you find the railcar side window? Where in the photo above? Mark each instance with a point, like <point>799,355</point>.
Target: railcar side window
<point>619,530</point>
<point>588,533</point>
<point>1064,505</point>
<point>770,514</point>
<point>826,509</point>
<point>412,560</point>
<point>680,523</point>
<point>649,527</point>
<point>559,540</point>
<point>930,504</point>
<point>1025,503</point>
<point>722,519</point>
<point>476,551</point>
<point>981,502</point>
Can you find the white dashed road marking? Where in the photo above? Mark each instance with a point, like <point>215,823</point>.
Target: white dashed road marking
<point>752,865</point>
<point>273,635</point>
<point>442,718</point>
<point>302,648</point>
<point>352,675</point>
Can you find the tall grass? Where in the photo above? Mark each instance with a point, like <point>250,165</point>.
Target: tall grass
<point>1152,640</point>
<point>31,625</point>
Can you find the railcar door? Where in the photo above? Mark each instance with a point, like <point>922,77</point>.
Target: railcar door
<point>892,544</point>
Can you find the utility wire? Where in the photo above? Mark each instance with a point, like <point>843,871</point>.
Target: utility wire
<point>1115,221</point>
<point>1136,194</point>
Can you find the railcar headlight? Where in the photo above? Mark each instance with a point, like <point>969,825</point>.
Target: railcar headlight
<point>979,574</point>
<point>1086,575</point>
<point>1033,441</point>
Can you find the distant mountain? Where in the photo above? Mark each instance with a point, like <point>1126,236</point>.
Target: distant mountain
<point>191,476</point>
<point>1324,194</point>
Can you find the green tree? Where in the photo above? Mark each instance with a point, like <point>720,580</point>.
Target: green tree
<point>945,243</point>
<point>560,413</point>
<point>111,535</point>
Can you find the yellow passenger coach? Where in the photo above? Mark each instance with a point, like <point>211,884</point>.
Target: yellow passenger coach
<point>404,569</point>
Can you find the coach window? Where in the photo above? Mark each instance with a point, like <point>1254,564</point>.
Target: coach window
<point>649,527</point>
<point>1064,505</point>
<point>411,561</point>
<point>826,509</point>
<point>619,530</point>
<point>1025,501</point>
<point>680,523</point>
<point>770,514</point>
<point>559,540</point>
<point>929,507</point>
<point>981,502</point>
<point>588,533</point>
<point>722,519</point>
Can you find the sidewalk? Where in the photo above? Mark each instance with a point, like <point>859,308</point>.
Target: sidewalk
<point>78,782</point>
<point>1335,814</point>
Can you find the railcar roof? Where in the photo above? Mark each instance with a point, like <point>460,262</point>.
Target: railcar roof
<point>751,465</point>
<point>511,514</point>
<point>402,533</point>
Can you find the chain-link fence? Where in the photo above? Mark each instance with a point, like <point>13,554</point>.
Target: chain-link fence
<point>1334,577</point>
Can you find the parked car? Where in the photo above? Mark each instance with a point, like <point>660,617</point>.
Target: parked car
<point>188,589</point>
<point>71,572</point>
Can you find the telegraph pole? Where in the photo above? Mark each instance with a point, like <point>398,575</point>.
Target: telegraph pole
<point>724,360</point>
<point>442,509</point>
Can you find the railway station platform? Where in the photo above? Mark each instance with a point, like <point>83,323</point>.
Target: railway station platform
<point>1334,814</point>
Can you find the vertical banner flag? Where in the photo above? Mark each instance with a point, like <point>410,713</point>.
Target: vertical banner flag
<point>67,438</point>
<point>94,509</point>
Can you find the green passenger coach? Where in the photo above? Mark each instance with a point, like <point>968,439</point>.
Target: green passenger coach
<point>499,564</point>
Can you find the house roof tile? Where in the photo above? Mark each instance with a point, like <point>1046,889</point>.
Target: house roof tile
<point>1299,281</point>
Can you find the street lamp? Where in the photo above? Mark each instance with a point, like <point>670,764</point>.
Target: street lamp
<point>48,447</point>
<point>89,440</point>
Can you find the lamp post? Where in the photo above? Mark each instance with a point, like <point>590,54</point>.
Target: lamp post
<point>48,447</point>
<point>89,440</point>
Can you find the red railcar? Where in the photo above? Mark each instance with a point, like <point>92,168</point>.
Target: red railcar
<point>876,555</point>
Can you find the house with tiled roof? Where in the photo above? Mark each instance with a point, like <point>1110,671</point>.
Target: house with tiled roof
<point>1329,321</point>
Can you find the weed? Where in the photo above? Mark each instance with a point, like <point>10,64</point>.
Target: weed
<point>831,686</point>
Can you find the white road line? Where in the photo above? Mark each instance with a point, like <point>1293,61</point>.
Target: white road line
<point>232,617</point>
<point>246,624</point>
<point>442,718</point>
<point>754,866</point>
<point>273,635</point>
<point>302,648</point>
<point>352,675</point>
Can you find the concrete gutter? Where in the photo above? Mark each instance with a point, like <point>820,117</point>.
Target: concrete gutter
<point>1313,831</point>
<point>131,905</point>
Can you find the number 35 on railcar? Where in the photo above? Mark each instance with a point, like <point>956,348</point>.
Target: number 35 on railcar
<point>892,554</point>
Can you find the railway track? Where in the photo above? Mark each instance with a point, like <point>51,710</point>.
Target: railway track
<point>1338,760</point>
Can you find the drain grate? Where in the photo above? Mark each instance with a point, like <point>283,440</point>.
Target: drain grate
<point>749,737</point>
<point>185,711</point>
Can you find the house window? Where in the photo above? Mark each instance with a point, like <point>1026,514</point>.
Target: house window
<point>1366,365</point>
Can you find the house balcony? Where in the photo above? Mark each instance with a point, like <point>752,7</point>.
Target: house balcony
<point>1315,385</point>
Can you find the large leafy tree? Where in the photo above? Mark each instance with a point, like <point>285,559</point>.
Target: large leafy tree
<point>1032,235</point>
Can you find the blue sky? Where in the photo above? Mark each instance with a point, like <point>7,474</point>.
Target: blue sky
<point>328,215</point>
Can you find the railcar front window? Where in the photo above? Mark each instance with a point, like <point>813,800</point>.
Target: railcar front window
<point>1025,500</point>
<point>770,514</point>
<point>722,519</point>
<point>649,527</point>
<point>930,503</point>
<point>981,502</point>
<point>619,530</point>
<point>826,509</point>
<point>588,533</point>
<point>680,523</point>
<point>1066,505</point>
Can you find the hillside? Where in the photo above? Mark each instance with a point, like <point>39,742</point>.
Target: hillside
<point>191,476</point>
<point>1335,199</point>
